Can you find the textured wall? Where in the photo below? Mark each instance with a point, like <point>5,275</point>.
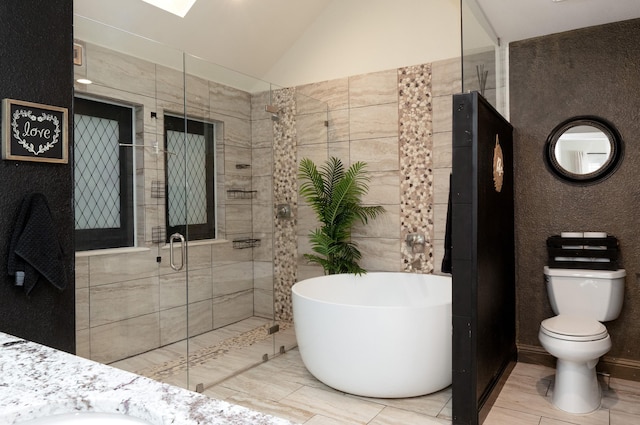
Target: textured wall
<point>37,67</point>
<point>587,71</point>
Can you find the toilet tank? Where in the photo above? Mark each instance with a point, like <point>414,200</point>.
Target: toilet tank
<point>597,294</point>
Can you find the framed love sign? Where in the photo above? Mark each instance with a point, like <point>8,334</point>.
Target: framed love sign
<point>34,132</point>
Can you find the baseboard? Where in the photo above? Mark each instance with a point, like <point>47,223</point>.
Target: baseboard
<point>620,368</point>
<point>535,355</point>
<point>616,368</point>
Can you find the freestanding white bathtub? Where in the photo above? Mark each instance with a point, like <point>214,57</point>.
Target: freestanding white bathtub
<point>385,335</point>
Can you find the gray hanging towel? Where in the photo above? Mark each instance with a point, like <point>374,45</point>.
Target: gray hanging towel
<point>34,250</point>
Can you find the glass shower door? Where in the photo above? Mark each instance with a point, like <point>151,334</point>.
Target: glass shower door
<point>214,159</point>
<point>131,305</point>
<point>231,294</point>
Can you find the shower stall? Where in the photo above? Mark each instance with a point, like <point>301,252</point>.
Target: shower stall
<point>185,208</point>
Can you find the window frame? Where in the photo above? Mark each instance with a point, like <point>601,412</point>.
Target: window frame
<point>123,236</point>
<point>201,231</point>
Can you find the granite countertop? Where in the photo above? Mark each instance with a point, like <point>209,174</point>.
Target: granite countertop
<point>37,381</point>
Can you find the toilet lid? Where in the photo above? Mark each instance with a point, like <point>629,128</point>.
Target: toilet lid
<point>573,328</point>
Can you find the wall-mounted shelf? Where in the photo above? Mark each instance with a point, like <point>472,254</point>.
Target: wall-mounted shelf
<point>157,189</point>
<point>244,243</point>
<point>241,194</point>
<point>158,234</point>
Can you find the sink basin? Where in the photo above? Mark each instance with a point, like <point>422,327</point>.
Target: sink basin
<point>87,418</point>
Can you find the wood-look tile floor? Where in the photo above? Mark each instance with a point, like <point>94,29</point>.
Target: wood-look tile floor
<point>526,400</point>
<point>283,387</point>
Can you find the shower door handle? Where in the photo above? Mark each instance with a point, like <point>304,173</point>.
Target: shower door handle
<point>183,247</point>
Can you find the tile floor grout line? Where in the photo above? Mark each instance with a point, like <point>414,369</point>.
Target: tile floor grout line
<point>528,397</point>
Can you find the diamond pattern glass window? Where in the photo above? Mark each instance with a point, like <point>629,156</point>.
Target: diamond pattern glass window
<point>97,173</point>
<point>190,178</point>
<point>103,175</point>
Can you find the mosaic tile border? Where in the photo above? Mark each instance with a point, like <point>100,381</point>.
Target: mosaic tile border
<point>415,132</point>
<point>202,356</point>
<point>284,192</point>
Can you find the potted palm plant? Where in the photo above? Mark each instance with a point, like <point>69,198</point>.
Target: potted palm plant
<point>335,195</point>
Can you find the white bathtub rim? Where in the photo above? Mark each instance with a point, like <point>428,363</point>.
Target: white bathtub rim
<point>446,302</point>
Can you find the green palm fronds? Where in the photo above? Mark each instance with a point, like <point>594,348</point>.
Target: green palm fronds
<point>335,195</point>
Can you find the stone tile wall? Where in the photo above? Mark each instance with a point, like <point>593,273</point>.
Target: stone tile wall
<point>416,167</point>
<point>397,121</point>
<point>284,193</point>
<point>262,138</point>
<point>446,80</point>
<point>129,303</point>
<point>474,64</point>
<point>404,135</point>
<point>363,126</point>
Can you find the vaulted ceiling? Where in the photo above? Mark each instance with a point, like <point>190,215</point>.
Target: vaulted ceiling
<point>520,19</point>
<point>262,38</point>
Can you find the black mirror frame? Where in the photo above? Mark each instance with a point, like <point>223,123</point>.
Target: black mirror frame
<point>617,150</point>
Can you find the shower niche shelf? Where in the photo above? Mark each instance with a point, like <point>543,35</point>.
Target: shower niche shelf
<point>241,194</point>
<point>158,234</point>
<point>244,243</point>
<point>157,189</point>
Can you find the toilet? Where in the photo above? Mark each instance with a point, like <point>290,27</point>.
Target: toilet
<point>581,299</point>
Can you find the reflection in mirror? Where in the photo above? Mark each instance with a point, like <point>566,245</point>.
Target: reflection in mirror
<point>583,149</point>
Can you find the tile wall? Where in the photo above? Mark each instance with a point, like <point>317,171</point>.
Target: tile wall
<point>446,80</point>
<point>477,63</point>
<point>128,303</point>
<point>416,176</point>
<point>262,138</point>
<point>284,195</point>
<point>366,122</point>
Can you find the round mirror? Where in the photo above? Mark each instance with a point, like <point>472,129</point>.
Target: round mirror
<point>583,149</point>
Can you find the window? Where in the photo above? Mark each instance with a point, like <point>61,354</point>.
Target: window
<point>190,177</point>
<point>103,175</point>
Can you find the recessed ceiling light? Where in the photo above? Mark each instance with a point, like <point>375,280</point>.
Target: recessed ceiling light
<point>84,81</point>
<point>177,7</point>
